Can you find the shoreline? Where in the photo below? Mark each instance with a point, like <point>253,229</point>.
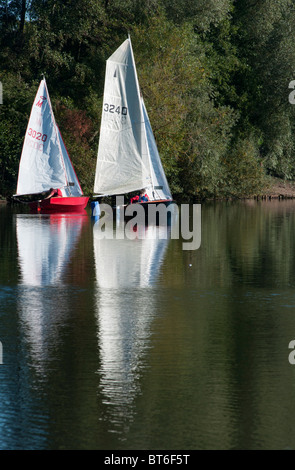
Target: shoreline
<point>276,189</point>
<point>280,189</point>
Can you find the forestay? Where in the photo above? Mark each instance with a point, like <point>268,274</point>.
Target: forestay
<point>44,162</point>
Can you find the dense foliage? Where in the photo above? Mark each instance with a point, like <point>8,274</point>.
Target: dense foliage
<point>215,76</point>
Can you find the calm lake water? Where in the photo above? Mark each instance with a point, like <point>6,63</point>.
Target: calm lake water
<point>138,344</point>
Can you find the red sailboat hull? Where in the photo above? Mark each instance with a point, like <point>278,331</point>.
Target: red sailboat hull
<point>60,204</point>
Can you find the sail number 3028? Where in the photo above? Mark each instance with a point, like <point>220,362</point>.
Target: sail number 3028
<point>111,108</point>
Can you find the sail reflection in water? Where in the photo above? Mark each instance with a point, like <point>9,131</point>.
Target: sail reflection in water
<point>126,270</point>
<point>44,245</point>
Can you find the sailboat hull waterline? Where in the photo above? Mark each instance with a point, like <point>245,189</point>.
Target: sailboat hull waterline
<point>128,160</point>
<point>60,205</point>
<point>47,181</point>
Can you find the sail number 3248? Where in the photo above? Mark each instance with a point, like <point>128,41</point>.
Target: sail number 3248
<point>111,108</point>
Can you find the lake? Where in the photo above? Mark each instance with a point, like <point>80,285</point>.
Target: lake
<point>125,344</point>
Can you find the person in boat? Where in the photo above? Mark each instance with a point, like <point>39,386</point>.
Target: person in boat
<point>54,193</point>
<point>142,197</point>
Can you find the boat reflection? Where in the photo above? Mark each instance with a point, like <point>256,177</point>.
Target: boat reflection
<point>45,244</point>
<point>127,266</point>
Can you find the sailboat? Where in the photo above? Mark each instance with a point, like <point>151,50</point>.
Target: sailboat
<point>128,159</point>
<point>47,180</point>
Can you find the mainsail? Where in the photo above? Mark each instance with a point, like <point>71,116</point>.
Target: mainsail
<point>45,162</point>
<point>125,160</point>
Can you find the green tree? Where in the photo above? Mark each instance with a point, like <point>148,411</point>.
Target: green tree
<point>214,76</point>
<point>267,45</point>
<point>14,112</point>
<point>202,13</point>
<point>192,131</point>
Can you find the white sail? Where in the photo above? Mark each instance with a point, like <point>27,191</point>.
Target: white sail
<point>44,162</point>
<point>73,186</point>
<point>160,188</point>
<point>124,163</point>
